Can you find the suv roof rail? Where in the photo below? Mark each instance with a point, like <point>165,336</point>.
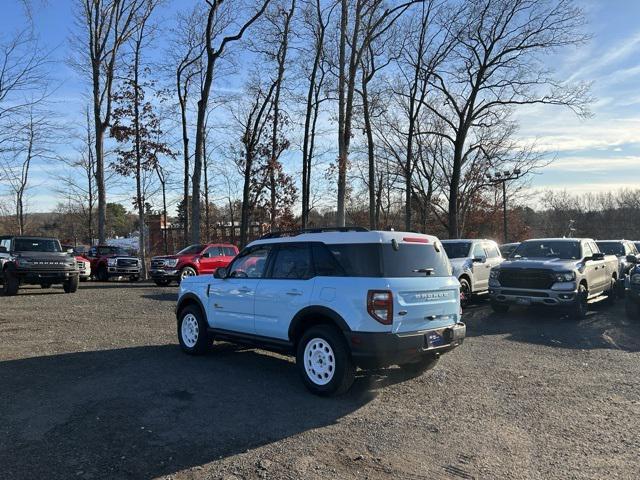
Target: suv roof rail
<point>293,233</point>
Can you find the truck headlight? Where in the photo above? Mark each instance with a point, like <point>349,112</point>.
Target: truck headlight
<point>565,276</point>
<point>112,262</point>
<point>493,275</point>
<point>635,278</point>
<point>172,262</point>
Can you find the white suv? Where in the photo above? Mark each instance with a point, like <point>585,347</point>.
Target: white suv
<point>336,299</point>
<point>472,261</point>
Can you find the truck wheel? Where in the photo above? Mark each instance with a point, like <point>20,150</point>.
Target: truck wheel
<point>324,361</point>
<point>632,309</point>
<point>580,307</point>
<point>45,285</point>
<point>11,284</point>
<point>465,292</point>
<point>102,275</point>
<point>421,366</point>
<point>187,272</point>
<point>71,285</point>
<point>500,308</point>
<point>162,283</point>
<point>612,293</point>
<point>192,331</point>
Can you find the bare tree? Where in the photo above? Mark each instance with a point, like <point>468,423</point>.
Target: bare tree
<point>106,25</point>
<point>216,42</point>
<point>497,64</point>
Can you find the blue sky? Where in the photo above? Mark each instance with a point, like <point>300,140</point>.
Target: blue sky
<point>596,154</point>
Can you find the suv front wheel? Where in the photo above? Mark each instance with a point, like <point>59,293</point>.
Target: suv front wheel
<point>192,331</point>
<point>324,361</point>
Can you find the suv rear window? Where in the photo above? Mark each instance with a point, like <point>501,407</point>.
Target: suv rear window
<point>382,260</point>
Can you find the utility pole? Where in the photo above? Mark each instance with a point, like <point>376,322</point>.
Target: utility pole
<point>503,177</point>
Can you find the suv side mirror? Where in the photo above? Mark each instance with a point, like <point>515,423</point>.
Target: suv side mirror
<point>479,260</point>
<point>597,256</point>
<point>220,273</point>
<point>630,258</point>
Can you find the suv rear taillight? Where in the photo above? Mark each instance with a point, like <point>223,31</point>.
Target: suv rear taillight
<point>380,306</point>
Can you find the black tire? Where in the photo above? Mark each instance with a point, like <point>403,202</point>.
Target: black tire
<point>343,369</point>
<point>612,293</point>
<point>421,366</point>
<point>632,309</point>
<point>500,308</point>
<point>202,340</point>
<point>71,285</point>
<point>580,307</point>
<point>11,284</point>
<point>102,275</point>
<point>134,278</point>
<point>187,272</point>
<point>465,292</point>
<point>45,285</point>
<point>162,283</point>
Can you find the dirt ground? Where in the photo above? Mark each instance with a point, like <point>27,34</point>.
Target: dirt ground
<point>93,385</point>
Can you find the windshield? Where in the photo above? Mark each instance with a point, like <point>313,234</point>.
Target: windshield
<point>549,249</point>
<point>36,245</point>
<point>191,250</point>
<point>457,249</point>
<point>611,248</point>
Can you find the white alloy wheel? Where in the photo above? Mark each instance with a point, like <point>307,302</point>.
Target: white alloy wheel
<point>187,272</point>
<point>190,330</point>
<point>319,361</point>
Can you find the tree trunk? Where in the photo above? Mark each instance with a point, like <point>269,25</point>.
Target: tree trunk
<point>342,146</point>
<point>142,250</point>
<point>370,154</point>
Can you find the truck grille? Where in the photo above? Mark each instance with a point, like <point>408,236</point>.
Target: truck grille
<point>127,262</point>
<point>526,278</point>
<point>157,263</point>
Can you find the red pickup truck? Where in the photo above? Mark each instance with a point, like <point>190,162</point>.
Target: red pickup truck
<point>193,260</point>
<point>107,261</point>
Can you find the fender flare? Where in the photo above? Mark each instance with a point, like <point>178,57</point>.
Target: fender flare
<point>318,311</point>
<point>190,298</point>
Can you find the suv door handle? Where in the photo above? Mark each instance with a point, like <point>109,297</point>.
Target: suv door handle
<point>294,292</point>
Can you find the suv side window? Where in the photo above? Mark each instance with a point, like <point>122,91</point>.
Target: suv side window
<point>594,247</point>
<point>586,249</point>
<point>250,263</point>
<point>478,251</point>
<point>324,263</point>
<point>6,243</point>
<point>292,262</point>
<point>212,252</point>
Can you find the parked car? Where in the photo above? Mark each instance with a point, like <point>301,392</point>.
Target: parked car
<point>336,300</point>
<point>472,261</point>
<point>36,261</point>
<point>108,262</point>
<point>556,272</point>
<point>623,250</point>
<point>632,296</point>
<point>191,261</point>
<point>84,265</point>
<point>507,249</point>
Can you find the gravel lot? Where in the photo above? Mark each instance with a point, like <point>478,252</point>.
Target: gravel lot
<point>93,385</point>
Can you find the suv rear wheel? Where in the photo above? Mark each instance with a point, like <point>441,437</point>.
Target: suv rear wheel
<point>192,331</point>
<point>324,361</point>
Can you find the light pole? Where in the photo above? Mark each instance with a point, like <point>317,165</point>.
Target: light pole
<point>502,177</point>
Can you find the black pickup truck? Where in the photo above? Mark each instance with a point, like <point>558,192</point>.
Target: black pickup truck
<point>36,261</point>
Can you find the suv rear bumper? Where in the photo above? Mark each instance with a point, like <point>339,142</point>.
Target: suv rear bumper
<point>376,350</point>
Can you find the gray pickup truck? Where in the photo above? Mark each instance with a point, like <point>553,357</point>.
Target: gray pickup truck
<point>563,273</point>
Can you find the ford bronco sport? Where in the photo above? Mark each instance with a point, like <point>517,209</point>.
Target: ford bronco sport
<point>337,300</point>
<point>36,261</point>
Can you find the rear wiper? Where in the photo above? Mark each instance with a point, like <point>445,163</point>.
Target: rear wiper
<point>426,271</point>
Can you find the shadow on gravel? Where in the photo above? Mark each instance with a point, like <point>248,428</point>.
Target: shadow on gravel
<point>604,327</point>
<point>117,284</point>
<point>149,411</point>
